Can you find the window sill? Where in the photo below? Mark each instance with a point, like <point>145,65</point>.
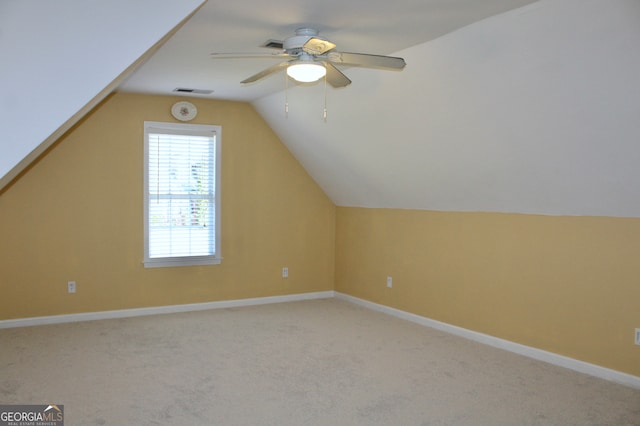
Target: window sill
<point>181,261</point>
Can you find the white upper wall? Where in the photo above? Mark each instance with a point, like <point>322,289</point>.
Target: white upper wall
<point>57,56</point>
<point>533,111</point>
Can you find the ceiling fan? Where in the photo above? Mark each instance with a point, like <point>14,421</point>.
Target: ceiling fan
<point>311,57</point>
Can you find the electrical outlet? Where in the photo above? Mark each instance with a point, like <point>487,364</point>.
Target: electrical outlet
<point>71,286</point>
<point>638,336</point>
<point>285,272</point>
<point>389,282</point>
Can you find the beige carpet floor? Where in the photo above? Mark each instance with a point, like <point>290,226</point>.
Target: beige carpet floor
<point>320,362</point>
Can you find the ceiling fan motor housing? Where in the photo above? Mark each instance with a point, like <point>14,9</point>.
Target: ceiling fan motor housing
<point>293,45</point>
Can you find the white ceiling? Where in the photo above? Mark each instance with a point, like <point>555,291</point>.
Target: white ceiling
<point>367,26</point>
<point>504,106</point>
<point>60,59</point>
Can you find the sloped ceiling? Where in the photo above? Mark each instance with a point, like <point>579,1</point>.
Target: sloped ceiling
<point>60,58</point>
<point>505,106</point>
<point>533,111</point>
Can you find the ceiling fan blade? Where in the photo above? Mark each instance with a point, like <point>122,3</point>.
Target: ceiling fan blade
<point>249,55</point>
<point>366,60</point>
<point>262,74</point>
<point>335,77</point>
<point>317,46</point>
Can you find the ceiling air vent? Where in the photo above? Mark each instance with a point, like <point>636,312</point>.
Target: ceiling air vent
<point>194,91</point>
<point>273,44</point>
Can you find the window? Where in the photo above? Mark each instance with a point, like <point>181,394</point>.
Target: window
<point>181,194</point>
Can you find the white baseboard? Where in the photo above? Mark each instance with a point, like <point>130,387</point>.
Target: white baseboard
<point>125,313</point>
<point>528,351</point>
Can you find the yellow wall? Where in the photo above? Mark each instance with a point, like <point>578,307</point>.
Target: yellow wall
<point>568,285</point>
<point>77,215</point>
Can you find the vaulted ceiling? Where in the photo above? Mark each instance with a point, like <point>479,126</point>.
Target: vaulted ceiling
<point>60,59</point>
<point>507,106</point>
<point>370,26</point>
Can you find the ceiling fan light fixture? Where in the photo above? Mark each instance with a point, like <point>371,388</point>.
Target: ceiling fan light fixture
<point>306,72</point>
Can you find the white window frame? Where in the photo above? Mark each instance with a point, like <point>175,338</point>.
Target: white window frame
<point>190,129</point>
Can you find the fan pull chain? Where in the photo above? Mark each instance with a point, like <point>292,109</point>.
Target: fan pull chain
<point>324,113</point>
<point>286,96</point>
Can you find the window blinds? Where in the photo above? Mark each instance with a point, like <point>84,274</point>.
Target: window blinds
<point>181,193</point>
